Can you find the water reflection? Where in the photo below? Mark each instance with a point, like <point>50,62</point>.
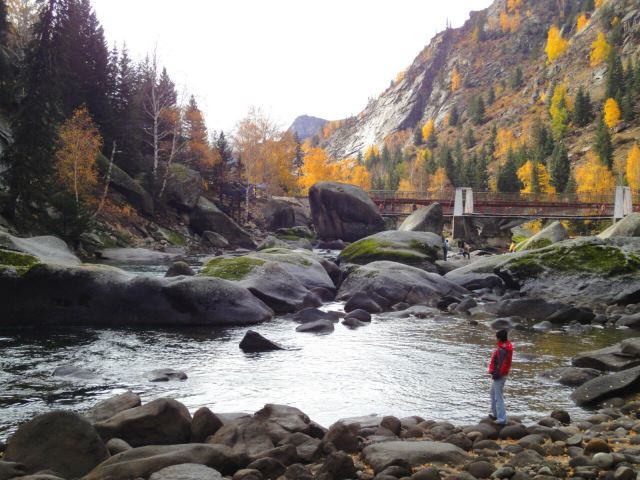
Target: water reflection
<point>428,367</point>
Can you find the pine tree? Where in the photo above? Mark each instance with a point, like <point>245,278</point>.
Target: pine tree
<point>481,179</point>
<point>225,170</point>
<point>417,137</point>
<point>459,167</point>
<point>491,96</point>
<point>298,160</point>
<point>491,142</point>
<point>454,116</point>
<point>603,144</point>
<point>615,77</point>
<point>469,139</point>
<point>560,168</point>
<point>30,157</point>
<point>445,160</point>
<point>508,181</point>
<point>477,110</point>
<point>542,140</point>
<point>582,109</point>
<point>515,81</point>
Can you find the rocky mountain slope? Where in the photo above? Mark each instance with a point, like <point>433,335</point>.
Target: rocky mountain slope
<point>485,53</point>
<point>307,126</point>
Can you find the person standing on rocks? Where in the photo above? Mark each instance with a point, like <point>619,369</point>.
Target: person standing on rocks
<point>499,370</point>
<point>445,248</point>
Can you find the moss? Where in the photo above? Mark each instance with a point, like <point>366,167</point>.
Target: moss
<point>586,257</point>
<point>294,234</point>
<point>519,239</point>
<point>175,238</point>
<point>231,268</point>
<point>181,173</point>
<point>426,248</point>
<point>370,250</point>
<point>284,255</point>
<point>534,245</point>
<point>291,238</point>
<point>22,262</point>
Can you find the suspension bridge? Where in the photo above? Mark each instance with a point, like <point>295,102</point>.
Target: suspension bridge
<point>465,202</point>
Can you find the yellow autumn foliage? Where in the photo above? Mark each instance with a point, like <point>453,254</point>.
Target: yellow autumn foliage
<point>439,182</point>
<point>556,45</point>
<point>611,113</point>
<point>80,144</point>
<point>427,130</point>
<point>505,141</point>
<point>526,176</point>
<point>633,167</point>
<point>600,50</point>
<point>513,5</point>
<point>319,167</point>
<point>582,22</point>
<point>593,176</point>
<point>599,3</point>
<point>456,80</point>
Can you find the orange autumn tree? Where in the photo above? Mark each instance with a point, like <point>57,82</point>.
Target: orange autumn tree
<point>611,113</point>
<point>593,176</point>
<point>80,144</point>
<point>582,22</point>
<point>427,130</point>
<point>633,167</point>
<point>319,167</point>
<point>197,150</point>
<point>456,80</point>
<point>556,45</point>
<point>600,50</point>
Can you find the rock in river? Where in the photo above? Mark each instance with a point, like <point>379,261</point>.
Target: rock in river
<point>165,375</point>
<point>254,342</point>
<point>342,211</point>
<point>607,386</point>
<point>106,296</point>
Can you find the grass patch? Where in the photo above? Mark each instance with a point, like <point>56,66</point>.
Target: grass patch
<point>231,268</point>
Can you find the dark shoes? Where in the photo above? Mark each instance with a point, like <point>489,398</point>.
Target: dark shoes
<point>492,417</point>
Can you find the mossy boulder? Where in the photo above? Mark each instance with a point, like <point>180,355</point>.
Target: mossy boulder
<point>48,249</point>
<point>100,295</point>
<point>396,283</point>
<point>234,269</point>
<point>420,249</point>
<point>553,233</point>
<point>16,262</point>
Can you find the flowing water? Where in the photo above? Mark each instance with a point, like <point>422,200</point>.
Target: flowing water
<point>435,368</point>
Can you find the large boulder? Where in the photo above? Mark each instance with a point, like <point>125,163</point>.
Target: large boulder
<point>395,283</point>
<point>184,187</point>
<point>63,442</point>
<point>380,455</point>
<point>281,278</point>
<point>629,226</point>
<point>106,296</point>
<point>607,386</point>
<point>160,422</point>
<point>261,432</point>
<point>343,211</point>
<point>425,219</point>
<point>531,308</point>
<point>553,233</point>
<point>145,461</point>
<point>285,212</point>
<point>106,409</point>
<point>609,359</point>
<point>48,249</point>
<point>420,249</point>
<point>207,216</point>
<point>137,196</point>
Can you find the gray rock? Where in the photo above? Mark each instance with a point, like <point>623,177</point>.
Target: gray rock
<point>207,216</point>
<point>131,189</point>
<point>47,249</point>
<point>424,219</point>
<point>630,346</point>
<point>344,436</point>
<point>270,468</point>
<point>10,470</point>
<point>416,453</point>
<point>76,373</point>
<point>186,471</point>
<point>112,406</point>
<point>623,473</point>
<point>165,375</point>
<point>543,326</point>
<point>145,461</point>
<point>337,466</point>
<point>571,376</point>
<point>603,460</point>
<point>353,323</point>
<point>526,458</point>
<point>214,239</point>
<point>137,256</point>
<point>341,211</point>
<point>473,280</point>
<point>312,314</point>
<point>255,342</point>
<point>285,212</point>
<point>606,359</point>
<point>183,187</point>
<point>631,321</point>
<point>319,326</point>
<point>160,422</point>
<point>60,441</point>
<point>629,226</point>
<point>571,314</point>
<point>307,448</point>
<point>204,424</point>
<point>606,386</point>
<point>553,233</point>
<point>360,301</point>
<point>101,295</point>
<point>247,474</point>
<point>480,469</point>
<point>117,445</point>
<point>397,283</point>
<point>358,314</point>
<point>180,268</point>
<point>531,308</point>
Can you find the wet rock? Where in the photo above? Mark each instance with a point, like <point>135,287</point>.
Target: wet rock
<point>117,445</point>
<point>143,462</point>
<point>311,314</point>
<point>270,468</point>
<point>112,406</point>
<point>344,436</point>
<point>307,448</point>
<point>392,424</point>
<point>47,249</point>
<point>331,245</point>
<point>76,373</point>
<point>319,326</point>
<point>180,268</point>
<point>358,314</point>
<point>204,424</point>
<point>543,326</point>
<point>562,416</point>
<point>416,453</point>
<point>247,474</point>
<point>596,445</point>
<point>160,422</point>
<point>337,466</point>
<point>531,308</point>
<point>571,314</point>
<point>603,460</point>
<point>255,342</point>
<point>480,469</point>
<point>353,323</point>
<point>606,386</point>
<point>514,432</point>
<point>606,359</point>
<point>341,211</point>
<point>186,471</point>
<point>165,375</point>
<point>214,239</point>
<point>361,301</point>
<point>60,441</point>
<point>11,469</point>
<point>572,376</point>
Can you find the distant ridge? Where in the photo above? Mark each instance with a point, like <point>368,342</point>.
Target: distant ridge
<point>307,126</point>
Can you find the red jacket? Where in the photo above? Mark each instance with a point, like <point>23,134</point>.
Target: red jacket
<point>501,360</point>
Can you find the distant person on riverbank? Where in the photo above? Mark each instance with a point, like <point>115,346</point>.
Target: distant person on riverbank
<point>499,370</point>
<point>445,248</point>
<point>466,251</point>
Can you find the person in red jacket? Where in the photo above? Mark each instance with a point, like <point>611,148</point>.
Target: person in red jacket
<point>499,370</point>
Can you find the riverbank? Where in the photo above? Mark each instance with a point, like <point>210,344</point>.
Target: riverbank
<point>121,439</point>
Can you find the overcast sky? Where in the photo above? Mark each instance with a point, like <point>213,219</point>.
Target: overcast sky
<point>290,57</point>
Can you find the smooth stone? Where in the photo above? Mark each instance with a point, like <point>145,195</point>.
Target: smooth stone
<point>186,471</point>
<point>255,342</point>
<point>165,375</point>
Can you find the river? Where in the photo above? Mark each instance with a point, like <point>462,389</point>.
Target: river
<point>434,367</point>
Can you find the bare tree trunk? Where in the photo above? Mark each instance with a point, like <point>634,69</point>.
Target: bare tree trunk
<point>107,181</point>
<point>175,148</point>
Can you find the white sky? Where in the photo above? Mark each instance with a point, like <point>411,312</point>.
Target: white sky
<point>290,57</point>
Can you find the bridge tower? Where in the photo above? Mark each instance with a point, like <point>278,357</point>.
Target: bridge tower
<point>624,203</point>
<point>462,205</point>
